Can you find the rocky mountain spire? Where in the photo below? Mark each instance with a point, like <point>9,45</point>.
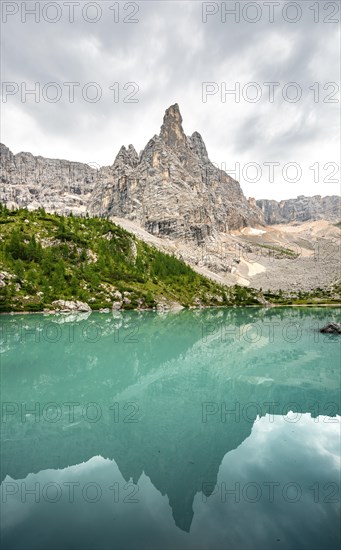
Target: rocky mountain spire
<point>127,156</point>
<point>199,147</point>
<point>172,133</point>
<point>172,189</point>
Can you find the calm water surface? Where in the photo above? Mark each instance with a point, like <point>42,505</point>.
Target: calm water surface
<point>215,429</point>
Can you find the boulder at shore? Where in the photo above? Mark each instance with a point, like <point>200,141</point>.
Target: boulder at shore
<point>69,305</point>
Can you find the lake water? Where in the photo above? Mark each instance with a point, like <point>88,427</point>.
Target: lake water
<point>203,429</point>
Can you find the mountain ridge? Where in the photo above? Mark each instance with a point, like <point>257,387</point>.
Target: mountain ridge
<point>172,196</point>
<point>171,188</point>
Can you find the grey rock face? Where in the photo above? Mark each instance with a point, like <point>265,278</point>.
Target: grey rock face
<point>172,189</point>
<point>69,305</point>
<point>301,209</point>
<point>57,185</point>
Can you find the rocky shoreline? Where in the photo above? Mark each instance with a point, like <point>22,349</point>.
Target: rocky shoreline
<point>171,310</point>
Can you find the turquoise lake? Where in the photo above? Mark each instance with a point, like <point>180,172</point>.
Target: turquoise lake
<point>202,429</point>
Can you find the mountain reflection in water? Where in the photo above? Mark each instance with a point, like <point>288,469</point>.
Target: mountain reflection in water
<point>200,429</point>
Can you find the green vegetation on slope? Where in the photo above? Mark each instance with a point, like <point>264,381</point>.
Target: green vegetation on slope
<point>46,257</point>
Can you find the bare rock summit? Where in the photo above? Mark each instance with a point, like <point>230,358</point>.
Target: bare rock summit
<point>172,189</point>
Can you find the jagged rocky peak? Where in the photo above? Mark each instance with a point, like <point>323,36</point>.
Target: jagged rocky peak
<point>4,150</point>
<point>6,158</point>
<point>174,190</point>
<point>198,146</point>
<point>133,154</point>
<point>172,133</point>
<point>127,156</point>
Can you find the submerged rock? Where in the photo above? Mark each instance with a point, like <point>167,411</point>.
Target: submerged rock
<point>332,328</point>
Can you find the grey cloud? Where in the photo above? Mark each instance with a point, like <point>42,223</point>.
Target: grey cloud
<point>169,53</point>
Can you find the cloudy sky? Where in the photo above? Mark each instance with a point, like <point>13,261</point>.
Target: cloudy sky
<point>104,73</point>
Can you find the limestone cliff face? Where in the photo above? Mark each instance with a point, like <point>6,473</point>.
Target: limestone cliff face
<point>172,189</point>
<point>57,185</point>
<point>301,209</point>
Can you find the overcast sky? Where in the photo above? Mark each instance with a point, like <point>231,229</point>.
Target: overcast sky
<point>153,54</point>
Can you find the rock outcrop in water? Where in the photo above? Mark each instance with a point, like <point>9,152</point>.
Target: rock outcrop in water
<point>332,328</point>
<point>70,305</point>
<point>301,209</point>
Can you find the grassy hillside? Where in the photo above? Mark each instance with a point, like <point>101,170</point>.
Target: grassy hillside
<point>46,257</point>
